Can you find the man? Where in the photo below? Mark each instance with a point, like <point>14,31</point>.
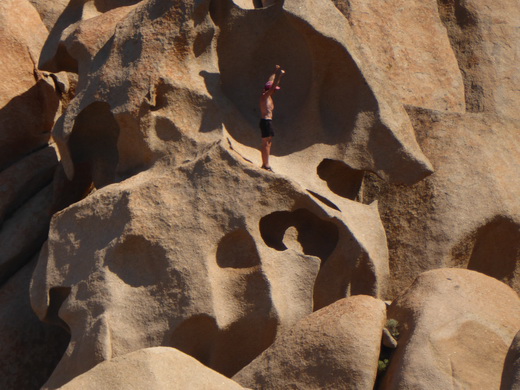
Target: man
<point>266,109</point>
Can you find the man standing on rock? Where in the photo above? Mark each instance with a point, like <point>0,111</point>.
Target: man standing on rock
<point>267,108</point>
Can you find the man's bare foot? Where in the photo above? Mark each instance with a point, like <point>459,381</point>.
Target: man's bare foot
<point>267,168</point>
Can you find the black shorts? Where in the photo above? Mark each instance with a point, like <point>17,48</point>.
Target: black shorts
<point>267,128</point>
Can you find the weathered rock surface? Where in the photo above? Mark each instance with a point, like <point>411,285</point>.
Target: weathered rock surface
<point>203,296</point>
<point>30,349</point>
<point>28,102</point>
<point>336,347</point>
<point>56,54</point>
<point>151,368</point>
<point>485,35</point>
<point>455,330</point>
<point>182,242</point>
<point>465,215</point>
<point>49,11</point>
<point>409,46</point>
<point>511,373</point>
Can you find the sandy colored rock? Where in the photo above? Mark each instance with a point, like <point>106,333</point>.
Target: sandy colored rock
<point>336,347</point>
<point>511,373</point>
<point>49,11</point>
<point>135,45</point>
<point>85,38</point>
<point>450,322</point>
<point>467,214</point>
<point>206,269</point>
<point>185,243</point>
<point>407,43</point>
<point>485,36</point>
<point>151,368</point>
<point>55,55</point>
<point>28,102</point>
<point>30,349</point>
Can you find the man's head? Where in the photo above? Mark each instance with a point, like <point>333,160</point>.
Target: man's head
<point>269,85</point>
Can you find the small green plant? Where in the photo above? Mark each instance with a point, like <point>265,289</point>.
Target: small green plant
<point>393,327</point>
<point>382,365</point>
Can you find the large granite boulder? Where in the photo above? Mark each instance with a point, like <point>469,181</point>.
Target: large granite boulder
<point>196,258</point>
<point>455,328</point>
<point>28,101</point>
<point>151,368</point>
<point>336,347</point>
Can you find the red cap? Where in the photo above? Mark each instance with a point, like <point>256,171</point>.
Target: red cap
<point>268,86</point>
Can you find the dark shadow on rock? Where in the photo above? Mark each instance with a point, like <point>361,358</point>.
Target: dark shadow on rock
<point>26,122</point>
<point>30,349</point>
<point>93,144</point>
<point>497,249</point>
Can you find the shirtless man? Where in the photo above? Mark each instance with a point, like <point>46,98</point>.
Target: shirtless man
<point>267,108</point>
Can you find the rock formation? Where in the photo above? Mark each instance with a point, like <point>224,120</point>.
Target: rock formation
<point>336,347</point>
<point>396,153</point>
<point>451,322</point>
<point>152,368</point>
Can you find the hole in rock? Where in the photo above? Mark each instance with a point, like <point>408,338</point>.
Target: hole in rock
<point>316,236</point>
<point>497,249</point>
<point>341,179</point>
<point>57,295</point>
<point>93,144</point>
<point>237,250</point>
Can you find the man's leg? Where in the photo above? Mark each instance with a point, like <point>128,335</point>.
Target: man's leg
<point>266,151</point>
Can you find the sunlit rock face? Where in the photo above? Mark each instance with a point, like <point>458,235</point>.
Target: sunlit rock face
<point>185,241</point>
<point>396,152</point>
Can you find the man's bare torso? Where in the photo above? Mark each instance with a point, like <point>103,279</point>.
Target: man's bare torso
<point>266,106</point>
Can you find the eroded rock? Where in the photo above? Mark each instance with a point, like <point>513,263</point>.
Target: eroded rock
<point>336,347</point>
<point>408,44</point>
<point>467,214</point>
<point>485,36</point>
<point>151,368</point>
<point>28,102</point>
<point>450,322</point>
<point>200,250</point>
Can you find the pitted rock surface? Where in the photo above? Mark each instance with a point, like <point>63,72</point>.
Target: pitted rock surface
<point>396,152</point>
